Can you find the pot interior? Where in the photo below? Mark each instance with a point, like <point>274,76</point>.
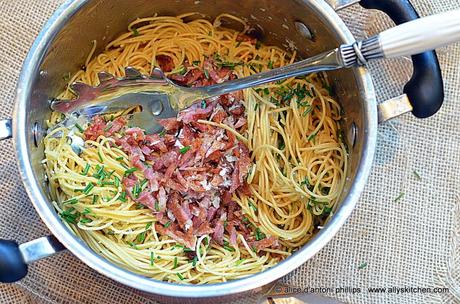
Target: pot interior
<point>281,23</point>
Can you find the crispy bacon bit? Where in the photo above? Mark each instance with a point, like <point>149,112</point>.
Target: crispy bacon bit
<point>165,62</point>
<point>246,38</point>
<point>192,169</point>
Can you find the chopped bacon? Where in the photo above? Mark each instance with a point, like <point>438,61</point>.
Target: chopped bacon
<point>194,169</point>
<point>189,78</point>
<point>170,124</point>
<point>265,243</point>
<point>246,38</point>
<point>165,63</point>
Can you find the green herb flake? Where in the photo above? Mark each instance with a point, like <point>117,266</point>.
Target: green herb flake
<point>194,261</point>
<point>206,73</point>
<point>87,211</point>
<point>88,188</point>
<point>266,91</point>
<point>95,199</point>
<point>80,128</point>
<point>120,158</point>
<point>238,263</point>
<point>251,205</point>
<point>85,220</point>
<point>129,171</point>
<point>417,175</point>
<point>259,235</point>
<point>167,224</point>
<point>270,64</point>
<point>180,276</point>
<point>326,210</point>
<point>256,107</point>
<point>136,191</point>
<point>182,70</point>
<point>400,196</point>
<point>122,197</point>
<point>69,216</point>
<point>86,170</point>
<point>140,238</point>
<point>133,245</point>
<point>312,136</point>
<point>108,127</point>
<point>135,32</point>
<point>175,263</point>
<point>100,156</point>
<point>362,265</point>
<point>157,206</point>
<point>144,183</point>
<point>184,149</point>
<point>71,201</point>
<point>196,62</point>
<point>116,181</point>
<point>152,258</point>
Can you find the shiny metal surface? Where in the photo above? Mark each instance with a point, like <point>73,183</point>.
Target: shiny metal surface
<point>393,108</point>
<point>341,4</point>
<point>6,129</point>
<point>40,248</point>
<point>63,45</point>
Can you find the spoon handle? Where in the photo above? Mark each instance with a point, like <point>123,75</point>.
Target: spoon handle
<point>406,39</point>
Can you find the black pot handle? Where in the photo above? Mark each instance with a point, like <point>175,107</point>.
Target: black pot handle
<point>14,258</point>
<point>12,265</point>
<point>425,89</point>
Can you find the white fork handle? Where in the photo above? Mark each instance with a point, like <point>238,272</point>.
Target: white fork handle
<point>421,35</point>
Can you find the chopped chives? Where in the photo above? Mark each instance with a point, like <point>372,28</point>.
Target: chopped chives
<point>167,224</point>
<point>88,188</point>
<point>251,204</point>
<point>148,226</point>
<point>184,149</point>
<point>152,258</point>
<point>120,158</point>
<point>108,127</point>
<point>136,190</point>
<point>266,91</point>
<point>135,32</point>
<point>417,175</point>
<point>259,235</point>
<point>140,238</point>
<point>133,245</point>
<point>195,259</point>
<point>85,220</point>
<point>362,265</point>
<point>228,248</point>
<point>175,263</point>
<point>143,183</point>
<point>116,181</point>
<point>187,249</point>
<point>400,196</point>
<point>71,201</point>
<point>80,128</point>
<point>162,133</point>
<point>123,197</point>
<point>86,211</point>
<point>100,157</point>
<point>270,64</point>
<point>85,171</point>
<point>238,263</point>
<point>206,73</point>
<point>180,276</point>
<point>94,199</point>
<point>256,107</point>
<point>196,62</point>
<point>108,183</point>
<point>157,206</point>
<point>130,170</point>
<point>203,104</point>
<point>312,136</point>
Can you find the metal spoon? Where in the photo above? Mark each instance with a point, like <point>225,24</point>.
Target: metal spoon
<point>159,97</point>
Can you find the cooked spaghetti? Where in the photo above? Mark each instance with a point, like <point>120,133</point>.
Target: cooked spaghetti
<point>231,186</point>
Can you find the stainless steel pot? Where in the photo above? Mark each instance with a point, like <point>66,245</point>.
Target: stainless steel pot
<point>311,26</point>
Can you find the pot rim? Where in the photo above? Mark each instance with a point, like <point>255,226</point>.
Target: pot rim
<point>84,253</point>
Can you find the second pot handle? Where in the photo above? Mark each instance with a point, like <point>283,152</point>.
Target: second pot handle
<point>14,258</point>
<point>425,89</point>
